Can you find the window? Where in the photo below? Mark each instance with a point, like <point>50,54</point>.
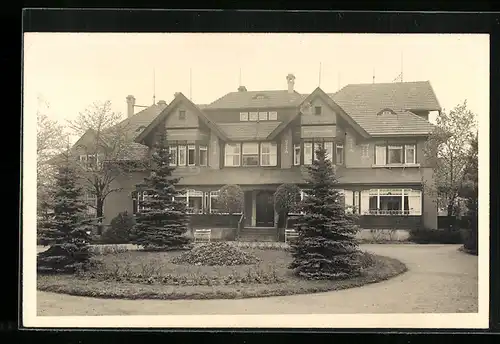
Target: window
<point>356,202</point>
<point>329,150</point>
<point>317,146</point>
<point>253,116</point>
<point>90,161</point>
<point>182,115</point>
<point>193,200</point>
<point>243,116</point>
<point>250,154</point>
<point>232,157</point>
<point>339,153</point>
<point>365,150</point>
<point>394,202</point>
<point>191,155</point>
<point>296,154</point>
<point>395,154</point>
<point>262,116</point>
<point>90,199</point>
<point>308,153</point>
<point>182,156</point>
<point>273,116</point>
<point>317,110</point>
<point>203,156</point>
<point>380,155</point>
<point>410,154</point>
<point>269,154</point>
<point>173,155</point>
<point>215,206</point>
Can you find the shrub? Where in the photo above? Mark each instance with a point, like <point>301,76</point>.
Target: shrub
<point>120,230</point>
<point>286,198</point>
<point>436,236</point>
<point>231,198</point>
<point>216,253</point>
<point>108,249</point>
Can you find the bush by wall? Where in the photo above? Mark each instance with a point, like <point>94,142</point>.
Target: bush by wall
<point>436,236</point>
<point>120,230</point>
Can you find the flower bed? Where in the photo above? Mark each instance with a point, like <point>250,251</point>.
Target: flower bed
<point>148,275</point>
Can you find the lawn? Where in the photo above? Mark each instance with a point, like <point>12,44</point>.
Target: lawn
<point>148,275</point>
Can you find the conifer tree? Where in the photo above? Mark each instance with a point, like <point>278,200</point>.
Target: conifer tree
<point>66,227</point>
<point>161,220</point>
<point>326,247</point>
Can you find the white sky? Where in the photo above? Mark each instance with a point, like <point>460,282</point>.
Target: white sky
<point>72,70</point>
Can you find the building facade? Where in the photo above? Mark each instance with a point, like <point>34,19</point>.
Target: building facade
<point>374,135</point>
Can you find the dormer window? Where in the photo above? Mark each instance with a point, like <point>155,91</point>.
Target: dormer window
<point>182,115</point>
<point>386,112</point>
<point>260,96</point>
<point>243,116</point>
<point>262,116</point>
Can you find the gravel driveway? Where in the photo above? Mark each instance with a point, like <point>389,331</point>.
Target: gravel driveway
<point>439,279</point>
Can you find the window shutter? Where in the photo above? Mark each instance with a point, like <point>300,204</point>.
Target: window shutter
<point>348,199</point>
<point>274,154</point>
<point>365,201</point>
<point>415,202</point>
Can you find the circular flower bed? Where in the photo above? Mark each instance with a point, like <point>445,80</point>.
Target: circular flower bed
<point>169,275</point>
<point>216,254</point>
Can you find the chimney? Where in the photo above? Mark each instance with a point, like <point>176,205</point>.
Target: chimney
<point>162,103</point>
<point>290,78</point>
<point>242,89</point>
<point>130,105</point>
<point>176,94</point>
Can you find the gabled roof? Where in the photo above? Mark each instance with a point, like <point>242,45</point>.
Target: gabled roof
<point>362,102</point>
<point>248,130</point>
<point>179,98</point>
<point>136,123</point>
<point>318,92</point>
<point>256,100</point>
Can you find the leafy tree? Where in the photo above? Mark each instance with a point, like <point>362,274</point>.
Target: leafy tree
<point>120,230</point>
<point>67,229</point>
<point>105,141</point>
<point>469,191</point>
<point>447,150</point>
<point>286,198</point>
<point>231,198</point>
<point>326,247</point>
<point>162,221</point>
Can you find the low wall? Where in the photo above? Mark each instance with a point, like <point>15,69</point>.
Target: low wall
<point>381,235</point>
<point>226,234</point>
<point>381,222</point>
<point>214,221</point>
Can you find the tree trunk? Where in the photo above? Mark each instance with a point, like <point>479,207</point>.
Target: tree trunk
<point>100,212</point>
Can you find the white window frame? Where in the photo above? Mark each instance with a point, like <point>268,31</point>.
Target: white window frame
<point>184,150</point>
<point>395,147</point>
<point>329,150</point>
<point>273,153</point>
<point>341,155</point>
<point>414,197</point>
<point>229,152</point>
<point>365,150</point>
<point>263,116</point>
<point>253,116</point>
<point>247,152</point>
<point>414,155</point>
<point>173,161</point>
<point>383,158</point>
<point>212,194</point>
<point>203,149</point>
<point>308,153</point>
<point>296,154</point>
<point>273,115</point>
<point>193,149</point>
<point>243,116</point>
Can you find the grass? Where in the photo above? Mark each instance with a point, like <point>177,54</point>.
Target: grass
<point>172,281</point>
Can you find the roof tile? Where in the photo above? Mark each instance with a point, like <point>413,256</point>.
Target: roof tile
<point>256,99</point>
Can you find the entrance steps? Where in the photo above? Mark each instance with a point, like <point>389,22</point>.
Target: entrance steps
<point>268,234</point>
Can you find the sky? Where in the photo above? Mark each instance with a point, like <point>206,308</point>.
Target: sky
<point>70,71</point>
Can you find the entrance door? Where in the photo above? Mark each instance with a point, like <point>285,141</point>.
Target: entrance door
<point>264,209</point>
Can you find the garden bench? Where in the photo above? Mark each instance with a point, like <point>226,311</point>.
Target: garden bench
<point>202,234</point>
<point>290,234</point>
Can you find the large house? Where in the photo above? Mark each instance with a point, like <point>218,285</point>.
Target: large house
<point>373,133</point>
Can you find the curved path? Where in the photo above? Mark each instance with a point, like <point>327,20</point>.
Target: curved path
<point>439,279</point>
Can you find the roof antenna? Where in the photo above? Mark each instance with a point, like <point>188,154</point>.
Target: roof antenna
<point>190,85</point>
<point>239,80</point>
<point>319,81</point>
<point>401,66</point>
<point>373,75</point>
<point>154,87</point>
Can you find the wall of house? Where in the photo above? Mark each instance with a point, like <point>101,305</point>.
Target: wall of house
<point>214,151</point>
<point>286,148</point>
<point>191,120</point>
<point>119,201</point>
<point>328,116</point>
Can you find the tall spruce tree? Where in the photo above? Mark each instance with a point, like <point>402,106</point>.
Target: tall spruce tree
<point>66,228</point>
<point>326,247</point>
<point>161,220</point>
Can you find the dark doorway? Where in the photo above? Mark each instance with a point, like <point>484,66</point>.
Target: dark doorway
<point>264,209</point>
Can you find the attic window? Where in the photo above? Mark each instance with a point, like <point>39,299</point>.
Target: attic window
<point>317,110</point>
<point>386,112</point>
<point>260,96</point>
<point>182,115</point>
